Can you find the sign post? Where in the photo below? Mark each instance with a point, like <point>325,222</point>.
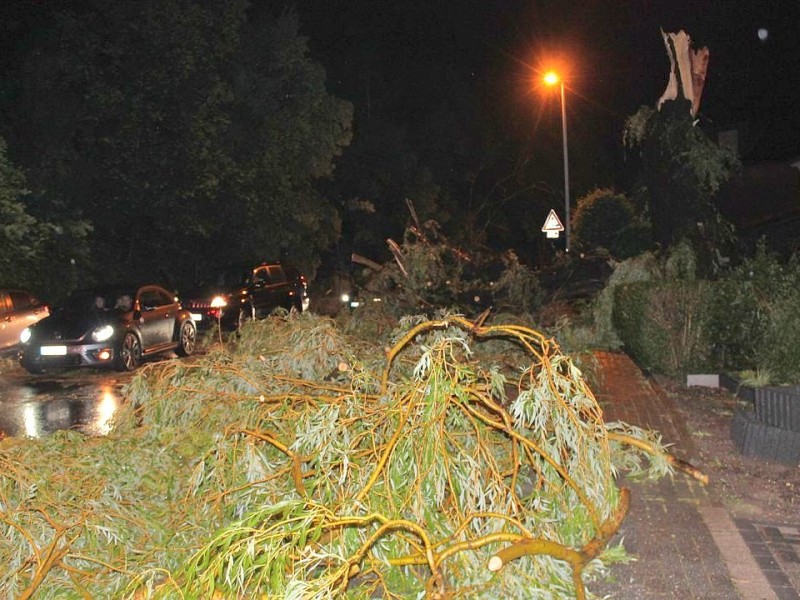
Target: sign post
<point>552,225</point>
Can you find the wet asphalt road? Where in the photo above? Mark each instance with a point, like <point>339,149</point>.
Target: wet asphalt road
<point>82,399</point>
<point>35,405</point>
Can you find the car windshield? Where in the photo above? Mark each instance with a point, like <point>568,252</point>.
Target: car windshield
<point>103,300</point>
<point>226,278</point>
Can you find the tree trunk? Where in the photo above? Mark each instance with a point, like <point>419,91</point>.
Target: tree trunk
<point>688,68</point>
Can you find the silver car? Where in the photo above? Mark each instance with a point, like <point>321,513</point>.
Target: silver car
<point>18,310</point>
<point>110,326</point>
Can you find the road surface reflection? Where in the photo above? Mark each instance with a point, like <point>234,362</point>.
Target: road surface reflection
<point>35,406</point>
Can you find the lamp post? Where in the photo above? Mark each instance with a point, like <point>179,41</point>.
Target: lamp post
<point>552,78</point>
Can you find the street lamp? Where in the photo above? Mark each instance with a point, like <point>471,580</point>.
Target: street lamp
<point>552,78</point>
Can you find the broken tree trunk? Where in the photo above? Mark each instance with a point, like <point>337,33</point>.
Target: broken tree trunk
<point>688,68</point>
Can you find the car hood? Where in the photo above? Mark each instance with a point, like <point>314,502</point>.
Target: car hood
<point>66,325</point>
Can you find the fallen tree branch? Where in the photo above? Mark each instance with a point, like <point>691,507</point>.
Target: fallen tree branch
<point>367,262</point>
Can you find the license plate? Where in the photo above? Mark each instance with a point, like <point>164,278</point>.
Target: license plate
<point>197,317</point>
<point>53,350</point>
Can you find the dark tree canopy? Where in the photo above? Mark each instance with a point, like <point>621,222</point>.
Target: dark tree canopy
<point>182,129</point>
<point>681,170</point>
<point>375,177</point>
<point>599,218</point>
<point>35,252</point>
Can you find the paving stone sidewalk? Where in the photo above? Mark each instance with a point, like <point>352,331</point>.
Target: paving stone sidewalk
<point>686,545</point>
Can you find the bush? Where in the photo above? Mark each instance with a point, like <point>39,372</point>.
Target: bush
<point>645,344</point>
<point>660,311</point>
<point>599,218</point>
<point>600,332</point>
<point>633,240</point>
<point>756,317</point>
<point>518,288</point>
<point>781,352</point>
<point>672,322</point>
<point>664,327</point>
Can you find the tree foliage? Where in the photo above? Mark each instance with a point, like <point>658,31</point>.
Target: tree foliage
<point>18,242</point>
<point>375,176</point>
<point>30,253</point>
<point>184,130</point>
<point>681,170</point>
<point>756,317</point>
<point>328,468</point>
<point>599,218</point>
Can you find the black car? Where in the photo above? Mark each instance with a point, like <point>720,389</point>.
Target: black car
<point>244,291</point>
<point>109,326</point>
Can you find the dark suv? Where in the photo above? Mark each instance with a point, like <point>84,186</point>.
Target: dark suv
<point>244,291</point>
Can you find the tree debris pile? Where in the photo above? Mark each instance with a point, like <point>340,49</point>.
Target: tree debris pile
<point>428,271</point>
<point>301,464</point>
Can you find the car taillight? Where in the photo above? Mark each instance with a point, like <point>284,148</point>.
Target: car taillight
<point>196,304</point>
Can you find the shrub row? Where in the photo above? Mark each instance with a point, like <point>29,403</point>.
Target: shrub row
<point>665,326</point>
<point>748,319</point>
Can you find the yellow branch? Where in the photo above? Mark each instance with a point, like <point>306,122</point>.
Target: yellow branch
<point>676,462</point>
<point>609,527</point>
<point>491,538</point>
<point>398,347</point>
<point>52,556</point>
<point>387,525</point>
<point>577,559</point>
<point>549,459</point>
<point>297,472</point>
<point>387,453</point>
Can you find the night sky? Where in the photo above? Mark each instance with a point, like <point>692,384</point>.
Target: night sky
<point>401,58</point>
<point>451,69</point>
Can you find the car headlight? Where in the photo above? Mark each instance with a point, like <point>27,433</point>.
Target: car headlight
<point>101,334</point>
<point>218,302</point>
<point>25,336</point>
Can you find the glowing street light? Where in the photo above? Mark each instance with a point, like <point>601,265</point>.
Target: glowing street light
<point>552,78</point>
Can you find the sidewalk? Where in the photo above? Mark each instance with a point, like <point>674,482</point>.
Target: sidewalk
<point>686,545</point>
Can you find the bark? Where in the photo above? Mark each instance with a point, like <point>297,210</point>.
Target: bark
<point>687,73</point>
<point>367,262</point>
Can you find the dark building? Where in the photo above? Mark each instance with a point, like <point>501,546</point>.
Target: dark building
<point>763,199</point>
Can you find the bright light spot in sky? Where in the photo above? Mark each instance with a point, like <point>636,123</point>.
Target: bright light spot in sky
<point>763,34</point>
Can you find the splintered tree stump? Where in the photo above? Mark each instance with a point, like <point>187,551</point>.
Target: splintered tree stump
<point>688,68</point>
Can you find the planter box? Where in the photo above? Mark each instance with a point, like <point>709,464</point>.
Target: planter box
<point>757,439</point>
<point>703,380</point>
<point>777,406</point>
<point>735,387</point>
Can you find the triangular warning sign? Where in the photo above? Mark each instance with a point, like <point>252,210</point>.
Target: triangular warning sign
<point>552,222</point>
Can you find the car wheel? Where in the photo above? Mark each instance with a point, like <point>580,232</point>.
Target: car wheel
<point>129,354</point>
<point>187,338</point>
